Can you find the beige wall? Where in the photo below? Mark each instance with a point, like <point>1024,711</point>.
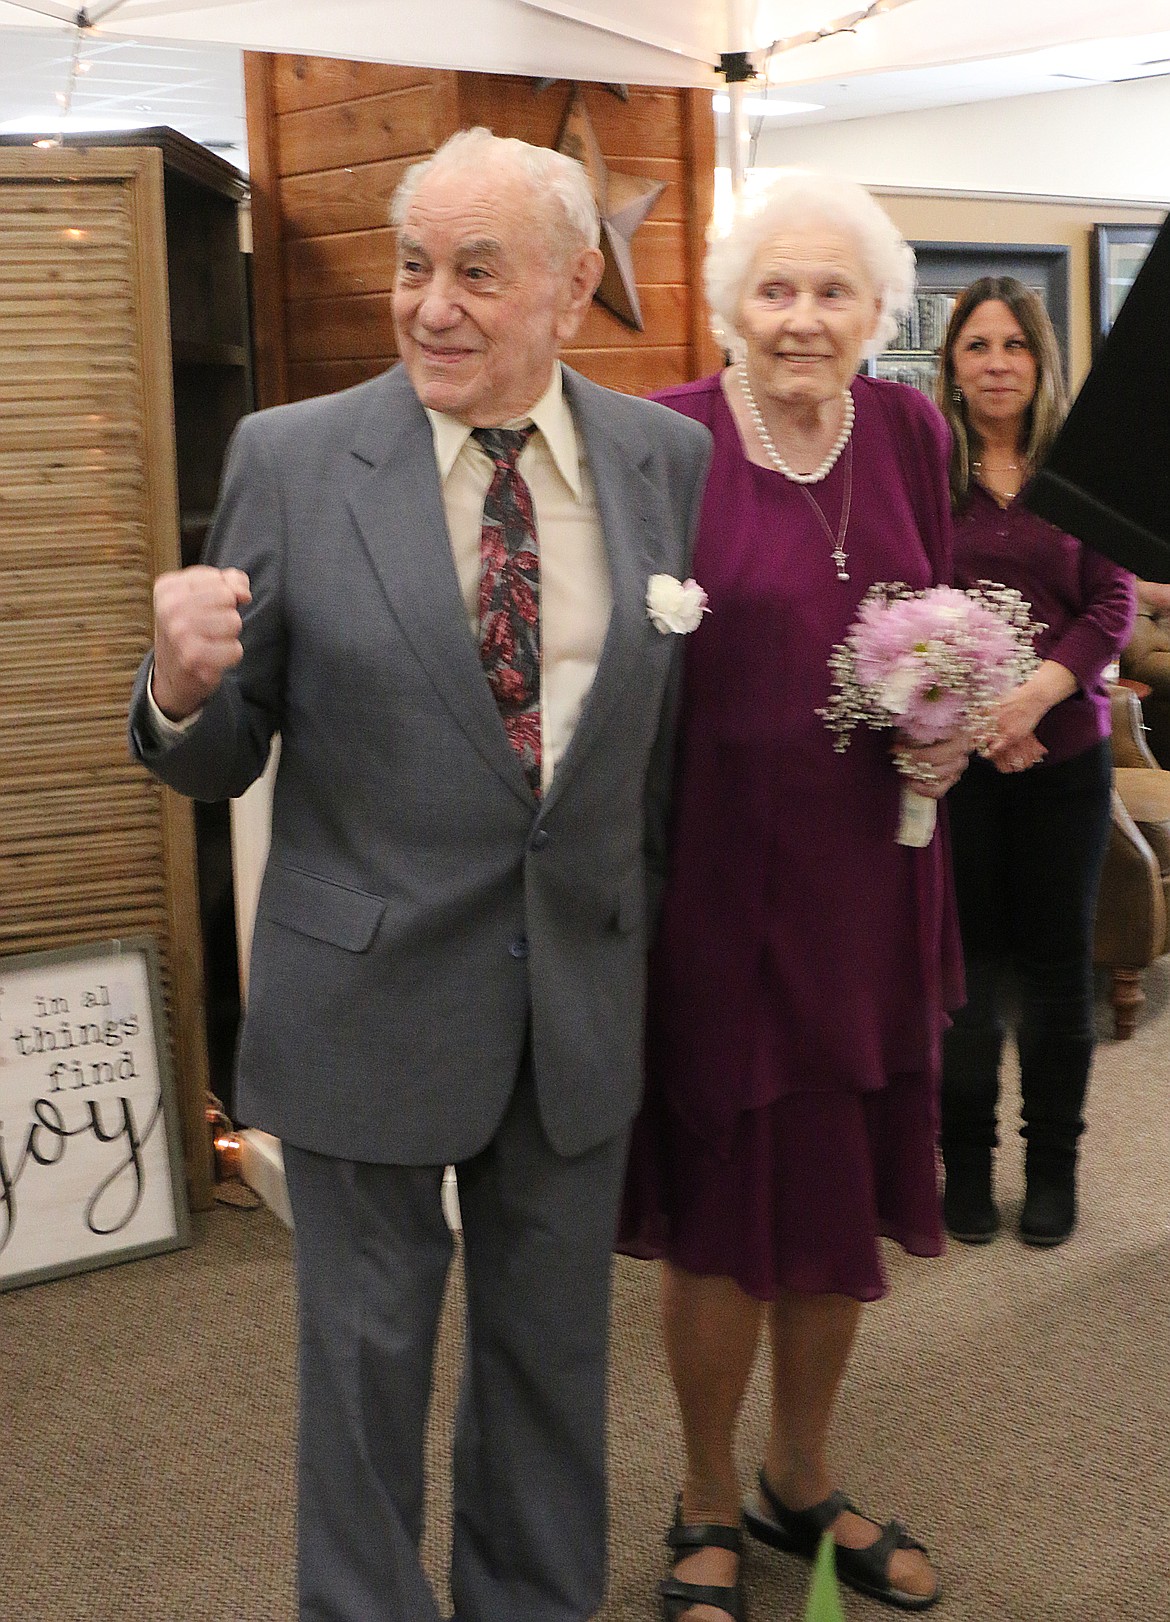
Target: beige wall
<point>1110,140</point>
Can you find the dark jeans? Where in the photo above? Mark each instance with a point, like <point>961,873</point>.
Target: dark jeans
<point>1028,850</point>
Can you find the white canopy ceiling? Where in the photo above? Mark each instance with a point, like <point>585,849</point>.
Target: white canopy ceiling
<point>627,41</point>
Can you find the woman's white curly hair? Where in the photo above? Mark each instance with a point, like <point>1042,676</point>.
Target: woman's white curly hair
<point>799,197</point>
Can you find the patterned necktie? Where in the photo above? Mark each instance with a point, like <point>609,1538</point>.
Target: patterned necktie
<point>509,596</point>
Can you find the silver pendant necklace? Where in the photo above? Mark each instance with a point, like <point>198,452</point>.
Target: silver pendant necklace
<point>840,556</point>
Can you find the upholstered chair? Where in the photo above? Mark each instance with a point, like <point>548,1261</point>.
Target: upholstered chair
<point>1146,659</point>
<point>1134,904</point>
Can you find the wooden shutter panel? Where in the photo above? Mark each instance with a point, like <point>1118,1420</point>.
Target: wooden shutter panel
<point>91,848</point>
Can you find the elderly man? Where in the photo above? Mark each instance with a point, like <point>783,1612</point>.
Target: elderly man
<point>434,586</point>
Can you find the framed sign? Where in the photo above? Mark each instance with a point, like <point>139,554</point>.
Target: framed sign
<point>1118,254</point>
<point>91,1168</point>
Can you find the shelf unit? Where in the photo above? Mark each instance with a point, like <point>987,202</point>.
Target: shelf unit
<point>210,325</point>
<point>944,270</point>
<point>211,369</point>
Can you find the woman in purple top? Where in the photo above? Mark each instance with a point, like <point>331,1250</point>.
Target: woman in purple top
<point>805,958</point>
<point>1029,822</point>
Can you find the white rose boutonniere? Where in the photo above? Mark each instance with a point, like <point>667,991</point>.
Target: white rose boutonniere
<point>675,606</point>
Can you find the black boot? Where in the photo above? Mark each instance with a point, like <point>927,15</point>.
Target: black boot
<point>1050,1205</point>
<point>1054,1077</point>
<point>968,1206</point>
<point>970,1093</point>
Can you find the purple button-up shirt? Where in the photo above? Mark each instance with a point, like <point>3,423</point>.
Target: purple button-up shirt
<point>1086,604</point>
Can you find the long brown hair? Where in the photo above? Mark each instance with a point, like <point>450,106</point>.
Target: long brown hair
<point>1049,403</point>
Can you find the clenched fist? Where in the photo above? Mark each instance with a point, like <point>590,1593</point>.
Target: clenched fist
<point>197,628</point>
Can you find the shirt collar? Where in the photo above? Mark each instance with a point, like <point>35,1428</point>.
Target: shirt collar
<point>550,414</point>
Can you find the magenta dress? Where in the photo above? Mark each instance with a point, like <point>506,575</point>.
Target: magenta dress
<point>804,961</point>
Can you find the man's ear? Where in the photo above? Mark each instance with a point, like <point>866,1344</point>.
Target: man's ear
<point>582,277</point>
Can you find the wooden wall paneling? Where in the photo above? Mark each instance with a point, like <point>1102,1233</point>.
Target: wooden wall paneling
<point>337,138</point>
<point>309,378</point>
<point>269,348</point>
<point>635,371</point>
<point>91,848</point>
<point>394,125</point>
<point>449,117</point>
<point>355,328</point>
<point>665,314</point>
<point>648,125</point>
<point>660,249</point>
<point>339,201</point>
<point>699,149</point>
<point>299,82</point>
<point>346,263</point>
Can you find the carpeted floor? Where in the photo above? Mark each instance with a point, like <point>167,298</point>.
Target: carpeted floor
<point>1012,1405</point>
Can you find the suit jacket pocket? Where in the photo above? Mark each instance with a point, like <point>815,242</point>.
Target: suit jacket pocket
<point>630,913</point>
<point>321,909</point>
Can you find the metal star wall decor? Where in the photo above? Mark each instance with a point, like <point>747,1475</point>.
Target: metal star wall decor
<point>623,201</point>
<point>621,91</point>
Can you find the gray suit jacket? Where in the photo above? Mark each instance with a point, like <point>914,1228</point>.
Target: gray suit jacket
<point>420,910</point>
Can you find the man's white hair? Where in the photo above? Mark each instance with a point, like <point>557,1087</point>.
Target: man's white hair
<point>559,180</point>
<point>799,197</point>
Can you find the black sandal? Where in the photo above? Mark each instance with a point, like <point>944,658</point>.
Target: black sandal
<point>799,1531</point>
<point>678,1596</point>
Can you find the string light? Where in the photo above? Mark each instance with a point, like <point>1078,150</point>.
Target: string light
<point>748,64</point>
<point>64,98</point>
<point>841,25</point>
<point>225,1140</point>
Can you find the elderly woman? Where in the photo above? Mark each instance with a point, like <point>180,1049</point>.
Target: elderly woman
<point>1030,822</point>
<point>805,958</point>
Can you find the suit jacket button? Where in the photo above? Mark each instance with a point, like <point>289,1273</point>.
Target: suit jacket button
<point>539,839</point>
<point>519,946</point>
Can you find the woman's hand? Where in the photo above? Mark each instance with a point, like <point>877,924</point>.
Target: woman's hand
<point>932,768</point>
<point>1154,595</point>
<point>1013,746</point>
<point>1019,756</point>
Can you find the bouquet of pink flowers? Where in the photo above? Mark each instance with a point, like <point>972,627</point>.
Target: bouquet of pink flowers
<point>931,663</point>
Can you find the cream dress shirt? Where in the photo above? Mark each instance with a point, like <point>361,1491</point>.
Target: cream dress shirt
<point>575,592</point>
<point>576,595</point>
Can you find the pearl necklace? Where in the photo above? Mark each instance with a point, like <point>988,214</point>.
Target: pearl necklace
<point>774,455</point>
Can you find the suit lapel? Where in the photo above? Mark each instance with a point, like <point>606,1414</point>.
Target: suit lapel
<point>624,508</point>
<point>396,501</point>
